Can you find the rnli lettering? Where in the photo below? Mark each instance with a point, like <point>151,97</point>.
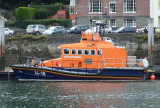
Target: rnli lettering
<point>39,73</point>
<point>72,56</point>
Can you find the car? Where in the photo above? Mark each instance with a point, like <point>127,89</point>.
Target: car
<point>105,29</point>
<point>54,30</point>
<point>77,29</point>
<point>8,32</point>
<point>141,29</point>
<point>36,29</point>
<point>126,29</point>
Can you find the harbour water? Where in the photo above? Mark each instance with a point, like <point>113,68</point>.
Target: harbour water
<point>15,94</point>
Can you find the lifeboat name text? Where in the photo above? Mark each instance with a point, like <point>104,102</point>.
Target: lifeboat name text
<point>72,56</point>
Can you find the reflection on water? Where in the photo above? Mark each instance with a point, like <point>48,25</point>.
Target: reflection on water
<point>79,94</point>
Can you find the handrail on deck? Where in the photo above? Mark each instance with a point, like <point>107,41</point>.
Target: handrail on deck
<point>123,63</point>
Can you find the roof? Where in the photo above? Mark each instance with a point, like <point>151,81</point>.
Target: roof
<point>87,45</point>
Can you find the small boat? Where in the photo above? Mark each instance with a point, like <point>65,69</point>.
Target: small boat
<point>94,58</point>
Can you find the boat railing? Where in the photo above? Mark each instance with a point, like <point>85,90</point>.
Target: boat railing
<point>119,63</point>
<point>29,61</point>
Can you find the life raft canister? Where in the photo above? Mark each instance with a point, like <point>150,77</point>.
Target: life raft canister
<point>139,64</point>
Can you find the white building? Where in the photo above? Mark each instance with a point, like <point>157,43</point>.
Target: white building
<point>155,12</point>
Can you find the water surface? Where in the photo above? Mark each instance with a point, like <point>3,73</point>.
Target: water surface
<point>79,94</point>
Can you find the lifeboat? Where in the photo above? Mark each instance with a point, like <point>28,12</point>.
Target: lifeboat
<point>94,58</point>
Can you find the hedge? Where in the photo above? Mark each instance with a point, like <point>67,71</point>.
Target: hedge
<point>24,23</point>
<point>43,11</point>
<point>26,13</point>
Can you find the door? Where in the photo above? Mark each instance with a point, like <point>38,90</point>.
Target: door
<point>77,29</point>
<point>6,32</point>
<point>40,29</point>
<point>126,30</point>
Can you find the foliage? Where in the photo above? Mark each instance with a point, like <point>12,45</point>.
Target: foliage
<point>24,23</point>
<point>24,13</point>
<point>144,37</point>
<point>43,11</point>
<point>10,4</point>
<point>26,37</point>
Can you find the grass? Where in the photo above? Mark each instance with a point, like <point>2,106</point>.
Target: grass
<point>144,37</point>
<point>26,37</point>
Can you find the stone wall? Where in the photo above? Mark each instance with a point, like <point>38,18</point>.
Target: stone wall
<point>48,48</point>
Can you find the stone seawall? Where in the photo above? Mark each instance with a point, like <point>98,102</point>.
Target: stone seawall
<point>48,47</point>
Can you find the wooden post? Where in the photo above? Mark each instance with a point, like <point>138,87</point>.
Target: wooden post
<point>150,40</point>
<point>2,43</point>
<point>2,36</point>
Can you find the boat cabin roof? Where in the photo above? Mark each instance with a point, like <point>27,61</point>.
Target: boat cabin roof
<point>87,45</point>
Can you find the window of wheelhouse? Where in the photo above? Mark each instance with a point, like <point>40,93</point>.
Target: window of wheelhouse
<point>86,52</point>
<point>93,52</point>
<point>99,52</point>
<point>66,51</point>
<point>80,51</point>
<point>73,52</point>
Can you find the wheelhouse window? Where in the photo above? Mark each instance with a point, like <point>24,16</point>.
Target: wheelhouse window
<point>80,51</point>
<point>112,6</point>
<point>129,6</point>
<point>73,51</point>
<point>86,52</point>
<point>113,23</point>
<point>129,22</point>
<point>93,52</point>
<point>66,51</point>
<point>95,7</point>
<point>99,52</point>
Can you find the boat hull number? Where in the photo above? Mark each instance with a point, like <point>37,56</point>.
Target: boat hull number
<point>39,73</point>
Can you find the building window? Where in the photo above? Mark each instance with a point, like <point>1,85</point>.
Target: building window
<point>112,6</point>
<point>95,7</point>
<point>113,23</point>
<point>71,9</point>
<point>129,22</point>
<point>73,51</point>
<point>66,51</point>
<point>129,6</point>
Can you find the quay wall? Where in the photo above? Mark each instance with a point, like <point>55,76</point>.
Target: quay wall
<point>135,44</point>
